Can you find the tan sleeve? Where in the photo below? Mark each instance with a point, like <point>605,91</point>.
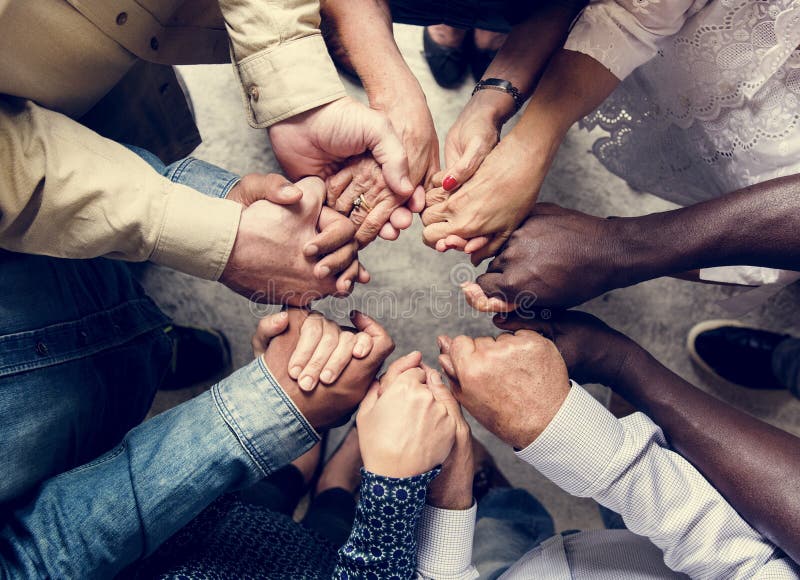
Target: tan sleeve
<point>67,192</point>
<point>280,58</point>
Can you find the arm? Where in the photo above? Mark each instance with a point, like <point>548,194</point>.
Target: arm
<point>268,41</point>
<point>740,455</point>
<point>626,466</point>
<point>579,257</point>
<point>67,192</point>
<point>384,531</point>
<point>94,520</point>
<point>609,40</point>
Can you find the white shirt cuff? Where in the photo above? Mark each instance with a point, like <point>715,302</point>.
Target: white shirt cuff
<point>444,539</point>
<point>578,445</point>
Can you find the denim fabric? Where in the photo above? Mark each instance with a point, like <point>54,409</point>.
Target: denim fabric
<point>82,351</point>
<point>204,177</point>
<point>786,364</point>
<point>509,523</point>
<point>94,520</point>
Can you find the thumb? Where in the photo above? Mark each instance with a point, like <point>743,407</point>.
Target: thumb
<point>465,166</point>
<point>313,196</point>
<point>270,186</point>
<point>388,151</point>
<point>268,328</point>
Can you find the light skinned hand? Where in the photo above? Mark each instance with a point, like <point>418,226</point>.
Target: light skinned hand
<point>318,141</point>
<point>403,429</point>
<point>490,205</point>
<point>389,214</point>
<point>452,489</point>
<point>264,186</point>
<point>293,254</point>
<point>513,385</point>
<point>323,350</point>
<point>334,404</point>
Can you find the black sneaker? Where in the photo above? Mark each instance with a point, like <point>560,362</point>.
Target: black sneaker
<point>735,353</point>
<point>448,64</point>
<point>199,356</point>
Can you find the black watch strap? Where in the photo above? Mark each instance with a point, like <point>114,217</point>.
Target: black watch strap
<point>503,86</point>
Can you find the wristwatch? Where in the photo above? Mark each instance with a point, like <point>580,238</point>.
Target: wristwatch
<point>502,86</point>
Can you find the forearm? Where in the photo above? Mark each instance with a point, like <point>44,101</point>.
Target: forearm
<point>66,191</point>
<point>525,54</point>
<point>755,226</point>
<point>93,521</point>
<point>384,532</point>
<point>572,86</point>
<point>362,33</point>
<point>744,458</point>
<point>626,466</point>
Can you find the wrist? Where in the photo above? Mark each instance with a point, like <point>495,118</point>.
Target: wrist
<point>385,92</point>
<point>496,107</point>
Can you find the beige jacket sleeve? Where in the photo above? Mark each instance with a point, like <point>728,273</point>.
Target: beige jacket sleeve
<point>65,191</point>
<point>280,58</point>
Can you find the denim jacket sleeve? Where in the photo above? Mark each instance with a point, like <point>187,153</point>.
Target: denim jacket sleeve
<point>383,543</point>
<point>93,521</point>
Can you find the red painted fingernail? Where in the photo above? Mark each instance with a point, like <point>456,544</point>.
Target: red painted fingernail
<point>449,183</point>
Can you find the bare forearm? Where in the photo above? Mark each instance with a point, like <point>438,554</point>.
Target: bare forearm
<point>363,34</point>
<point>527,50</point>
<point>753,464</point>
<point>755,226</point>
<point>572,86</point>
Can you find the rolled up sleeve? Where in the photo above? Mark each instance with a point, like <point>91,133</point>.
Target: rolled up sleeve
<point>280,58</point>
<point>67,192</point>
<point>624,34</point>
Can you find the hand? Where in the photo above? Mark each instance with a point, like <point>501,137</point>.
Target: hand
<point>560,258</point>
<point>293,254</point>
<point>403,430</point>
<point>318,141</point>
<point>593,351</point>
<point>513,385</point>
<point>490,205</point>
<point>452,489</point>
<point>269,186</point>
<point>389,213</point>
<point>330,406</point>
<point>323,351</point>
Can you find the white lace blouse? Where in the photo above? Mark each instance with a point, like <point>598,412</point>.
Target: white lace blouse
<point>709,96</point>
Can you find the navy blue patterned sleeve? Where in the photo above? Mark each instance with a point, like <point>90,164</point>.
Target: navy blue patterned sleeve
<point>383,543</point>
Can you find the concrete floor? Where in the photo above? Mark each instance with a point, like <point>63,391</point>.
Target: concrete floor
<point>414,290</point>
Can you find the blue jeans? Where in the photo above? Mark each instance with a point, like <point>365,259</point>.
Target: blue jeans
<point>510,522</point>
<point>82,352</point>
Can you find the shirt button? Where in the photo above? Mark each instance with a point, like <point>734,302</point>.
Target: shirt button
<point>154,43</point>
<point>41,349</point>
<point>122,18</point>
<point>254,93</point>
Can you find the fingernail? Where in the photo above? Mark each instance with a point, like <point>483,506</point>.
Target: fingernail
<point>326,376</point>
<point>436,379</point>
<point>359,350</point>
<point>323,272</point>
<point>306,383</point>
<point>283,314</point>
<point>348,284</point>
<point>440,342</point>
<point>449,183</point>
<point>288,191</point>
<point>294,372</point>
<point>311,250</point>
<point>406,184</point>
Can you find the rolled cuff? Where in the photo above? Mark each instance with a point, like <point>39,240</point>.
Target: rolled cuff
<point>295,77</point>
<point>263,418</point>
<point>578,445</point>
<point>197,233</point>
<point>604,33</point>
<point>444,540</point>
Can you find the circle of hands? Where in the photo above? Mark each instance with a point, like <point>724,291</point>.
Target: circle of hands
<point>371,171</point>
